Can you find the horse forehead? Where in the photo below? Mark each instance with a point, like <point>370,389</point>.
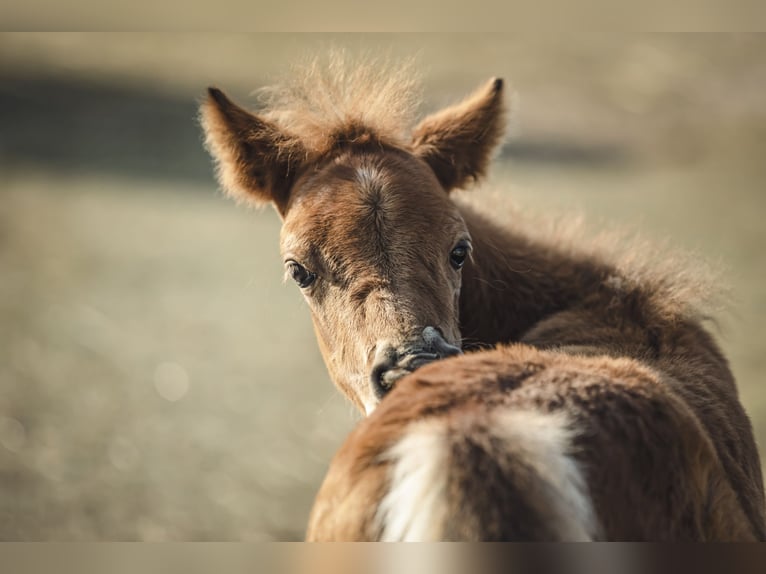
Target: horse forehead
<point>368,200</point>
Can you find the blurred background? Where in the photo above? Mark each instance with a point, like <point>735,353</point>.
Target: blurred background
<point>158,381</point>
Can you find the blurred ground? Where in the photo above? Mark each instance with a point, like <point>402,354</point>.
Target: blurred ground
<point>157,379</point>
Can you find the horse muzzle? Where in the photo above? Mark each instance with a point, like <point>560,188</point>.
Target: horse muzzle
<point>391,363</point>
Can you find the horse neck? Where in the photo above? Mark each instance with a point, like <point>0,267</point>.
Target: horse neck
<point>512,282</point>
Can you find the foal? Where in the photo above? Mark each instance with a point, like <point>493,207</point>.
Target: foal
<point>613,416</point>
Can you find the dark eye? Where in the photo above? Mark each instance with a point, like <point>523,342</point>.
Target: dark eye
<point>302,276</point>
<point>459,254</point>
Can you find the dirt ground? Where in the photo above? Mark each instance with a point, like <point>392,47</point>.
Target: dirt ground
<point>158,381</point>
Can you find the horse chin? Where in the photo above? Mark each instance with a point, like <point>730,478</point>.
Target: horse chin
<point>370,407</point>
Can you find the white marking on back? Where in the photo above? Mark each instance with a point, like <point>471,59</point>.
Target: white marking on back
<point>544,442</point>
<point>414,509</point>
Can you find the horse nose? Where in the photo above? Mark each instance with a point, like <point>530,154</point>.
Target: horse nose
<point>434,341</point>
<point>390,364</point>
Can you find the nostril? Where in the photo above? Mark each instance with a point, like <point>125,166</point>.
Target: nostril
<point>390,364</point>
<point>384,360</point>
<point>384,377</point>
<point>376,378</point>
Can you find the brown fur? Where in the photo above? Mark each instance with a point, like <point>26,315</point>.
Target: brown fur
<point>367,211</point>
<point>643,451</point>
<point>517,290</point>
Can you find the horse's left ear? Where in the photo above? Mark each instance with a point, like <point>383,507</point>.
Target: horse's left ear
<point>458,141</point>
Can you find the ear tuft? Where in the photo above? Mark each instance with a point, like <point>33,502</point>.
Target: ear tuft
<point>257,162</point>
<point>497,85</point>
<point>218,96</point>
<point>458,141</point>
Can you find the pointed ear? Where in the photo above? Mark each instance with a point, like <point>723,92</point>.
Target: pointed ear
<point>458,141</point>
<point>257,162</point>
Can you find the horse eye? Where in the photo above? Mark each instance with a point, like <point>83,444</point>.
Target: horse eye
<point>302,276</point>
<point>458,255</point>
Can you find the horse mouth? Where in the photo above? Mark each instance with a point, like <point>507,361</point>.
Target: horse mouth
<point>391,363</point>
<point>407,365</point>
<point>385,380</point>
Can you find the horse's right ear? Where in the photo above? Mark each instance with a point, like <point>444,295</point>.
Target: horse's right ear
<point>458,141</point>
<point>257,162</point>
